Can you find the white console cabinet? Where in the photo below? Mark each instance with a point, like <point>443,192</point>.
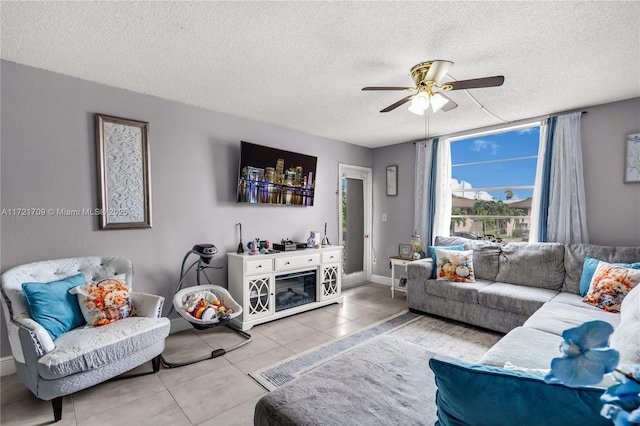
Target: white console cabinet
<point>275,285</point>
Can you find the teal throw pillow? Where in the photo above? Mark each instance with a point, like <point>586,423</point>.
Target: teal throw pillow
<point>589,268</point>
<point>432,252</point>
<point>483,395</point>
<point>51,305</point>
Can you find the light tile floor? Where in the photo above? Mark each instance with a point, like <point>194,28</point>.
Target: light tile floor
<point>218,391</point>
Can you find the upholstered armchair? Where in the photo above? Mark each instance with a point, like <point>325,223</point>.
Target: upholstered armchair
<point>53,365</point>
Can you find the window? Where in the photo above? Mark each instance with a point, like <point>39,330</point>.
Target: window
<point>492,180</point>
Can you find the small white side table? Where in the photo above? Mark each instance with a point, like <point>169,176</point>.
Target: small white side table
<point>397,261</point>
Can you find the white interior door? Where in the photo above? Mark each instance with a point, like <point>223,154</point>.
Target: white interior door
<point>355,223</point>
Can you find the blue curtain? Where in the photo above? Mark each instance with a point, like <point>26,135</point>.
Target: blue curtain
<point>546,180</point>
<point>431,206</point>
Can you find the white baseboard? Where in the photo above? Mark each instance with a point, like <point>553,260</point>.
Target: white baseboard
<point>381,279</point>
<point>7,366</point>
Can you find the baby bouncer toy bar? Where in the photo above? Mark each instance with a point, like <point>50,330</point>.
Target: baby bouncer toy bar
<point>204,305</point>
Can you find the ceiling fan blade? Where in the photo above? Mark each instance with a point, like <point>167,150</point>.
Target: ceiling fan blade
<point>389,88</point>
<point>476,83</point>
<point>397,104</point>
<point>449,105</point>
<point>438,70</point>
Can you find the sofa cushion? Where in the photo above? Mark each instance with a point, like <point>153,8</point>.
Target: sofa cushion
<point>514,298</point>
<point>104,301</point>
<point>626,336</point>
<point>572,299</point>
<point>532,264</point>
<point>589,268</point>
<point>524,347</point>
<point>556,317</point>
<point>454,265</point>
<point>485,255</point>
<point>609,286</point>
<point>574,255</point>
<point>88,348</point>
<point>432,253</point>
<point>52,306</point>
<point>464,292</point>
<point>484,395</point>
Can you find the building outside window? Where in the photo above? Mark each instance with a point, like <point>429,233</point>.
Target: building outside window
<point>492,181</point>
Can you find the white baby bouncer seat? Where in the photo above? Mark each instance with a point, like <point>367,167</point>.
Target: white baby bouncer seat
<point>205,305</point>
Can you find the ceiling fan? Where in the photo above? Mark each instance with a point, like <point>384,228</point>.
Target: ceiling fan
<point>429,91</point>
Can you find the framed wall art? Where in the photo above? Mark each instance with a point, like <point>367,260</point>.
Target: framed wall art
<point>632,159</point>
<point>124,180</point>
<point>392,180</point>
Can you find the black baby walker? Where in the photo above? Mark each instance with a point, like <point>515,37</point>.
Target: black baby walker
<point>205,306</point>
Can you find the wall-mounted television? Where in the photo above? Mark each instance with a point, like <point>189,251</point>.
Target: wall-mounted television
<point>275,176</point>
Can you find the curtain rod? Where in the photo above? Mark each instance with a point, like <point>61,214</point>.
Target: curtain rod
<point>493,127</point>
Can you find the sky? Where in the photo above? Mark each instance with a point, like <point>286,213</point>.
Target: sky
<point>513,144</point>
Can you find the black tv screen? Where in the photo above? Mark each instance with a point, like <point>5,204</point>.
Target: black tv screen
<point>275,176</point>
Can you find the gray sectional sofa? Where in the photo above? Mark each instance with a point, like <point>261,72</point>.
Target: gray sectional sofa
<point>530,291</point>
<point>513,281</point>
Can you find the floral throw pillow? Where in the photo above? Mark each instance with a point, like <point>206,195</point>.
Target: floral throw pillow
<point>104,301</point>
<point>609,285</point>
<point>454,265</point>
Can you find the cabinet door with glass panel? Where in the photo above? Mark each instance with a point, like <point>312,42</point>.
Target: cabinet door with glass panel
<point>330,275</point>
<point>259,293</point>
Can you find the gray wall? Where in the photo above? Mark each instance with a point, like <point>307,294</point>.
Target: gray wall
<point>48,160</point>
<point>399,208</point>
<point>613,207</point>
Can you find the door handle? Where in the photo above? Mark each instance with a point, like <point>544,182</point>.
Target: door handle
<point>366,236</point>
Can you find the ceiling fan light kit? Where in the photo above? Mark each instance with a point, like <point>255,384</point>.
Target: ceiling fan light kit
<point>427,76</point>
<point>419,103</point>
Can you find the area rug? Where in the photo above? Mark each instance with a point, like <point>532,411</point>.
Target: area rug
<point>282,372</point>
<point>439,336</point>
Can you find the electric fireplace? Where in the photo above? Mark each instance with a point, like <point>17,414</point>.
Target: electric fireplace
<point>295,289</point>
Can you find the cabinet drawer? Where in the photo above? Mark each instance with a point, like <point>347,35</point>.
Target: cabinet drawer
<point>331,256</point>
<point>262,265</point>
<point>297,261</point>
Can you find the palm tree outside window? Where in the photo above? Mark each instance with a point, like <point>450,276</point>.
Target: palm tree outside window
<point>492,181</point>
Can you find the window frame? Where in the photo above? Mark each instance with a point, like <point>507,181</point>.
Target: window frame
<point>516,219</point>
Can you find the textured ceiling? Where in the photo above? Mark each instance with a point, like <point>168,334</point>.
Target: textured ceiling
<point>302,64</point>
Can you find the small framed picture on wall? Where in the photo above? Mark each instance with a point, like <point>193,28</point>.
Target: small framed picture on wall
<point>392,180</point>
<point>632,159</point>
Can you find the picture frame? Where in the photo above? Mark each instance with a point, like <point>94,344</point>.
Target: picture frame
<point>124,180</point>
<point>632,159</point>
<point>402,283</point>
<point>392,180</point>
<point>404,251</point>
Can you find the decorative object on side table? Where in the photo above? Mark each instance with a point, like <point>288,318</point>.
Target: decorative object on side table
<point>392,180</point>
<point>404,251</point>
<point>124,178</point>
<point>632,159</point>
<point>587,359</point>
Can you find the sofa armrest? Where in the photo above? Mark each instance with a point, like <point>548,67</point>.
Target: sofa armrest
<point>420,270</point>
<point>40,338</point>
<point>147,305</point>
